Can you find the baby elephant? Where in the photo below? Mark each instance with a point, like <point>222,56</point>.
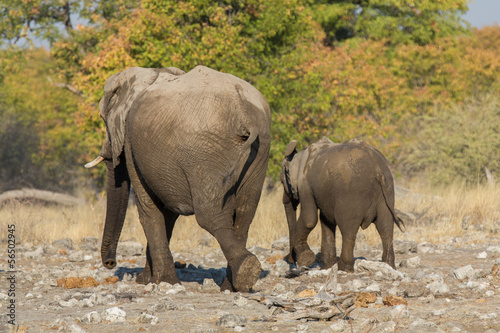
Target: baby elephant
<point>351,185</point>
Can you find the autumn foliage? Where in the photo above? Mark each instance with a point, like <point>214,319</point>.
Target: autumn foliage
<point>343,69</point>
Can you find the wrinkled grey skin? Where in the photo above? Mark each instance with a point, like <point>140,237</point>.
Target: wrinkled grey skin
<point>188,143</point>
<point>351,185</point>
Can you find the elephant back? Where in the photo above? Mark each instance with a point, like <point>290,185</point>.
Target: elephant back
<point>205,99</point>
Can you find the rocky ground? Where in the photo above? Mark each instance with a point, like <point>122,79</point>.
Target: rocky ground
<point>62,287</point>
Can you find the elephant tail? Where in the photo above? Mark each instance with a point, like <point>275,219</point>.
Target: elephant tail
<point>399,222</point>
<point>249,152</point>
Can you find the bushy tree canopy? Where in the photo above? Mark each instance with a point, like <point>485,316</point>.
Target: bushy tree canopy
<point>338,68</point>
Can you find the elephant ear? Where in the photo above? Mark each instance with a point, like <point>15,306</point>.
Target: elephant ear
<point>120,92</point>
<point>291,148</point>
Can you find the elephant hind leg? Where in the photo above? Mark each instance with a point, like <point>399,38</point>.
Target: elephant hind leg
<point>244,214</point>
<point>307,221</point>
<point>385,227</point>
<point>348,229</point>
<point>243,267</point>
<point>328,250</point>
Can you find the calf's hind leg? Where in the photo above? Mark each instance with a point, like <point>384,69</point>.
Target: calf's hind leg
<point>385,228</point>
<point>307,221</point>
<point>348,229</point>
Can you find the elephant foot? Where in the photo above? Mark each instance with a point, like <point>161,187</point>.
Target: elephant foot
<point>147,277</point>
<point>305,258</point>
<point>327,263</point>
<point>390,263</point>
<point>226,285</point>
<point>289,258</point>
<point>346,267</point>
<point>143,277</point>
<point>243,275</point>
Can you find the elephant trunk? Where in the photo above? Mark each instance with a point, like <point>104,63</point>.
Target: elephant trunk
<point>118,190</point>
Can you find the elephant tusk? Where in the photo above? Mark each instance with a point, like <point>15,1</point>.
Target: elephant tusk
<point>92,164</point>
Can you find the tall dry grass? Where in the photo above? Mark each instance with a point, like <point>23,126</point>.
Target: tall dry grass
<point>439,214</point>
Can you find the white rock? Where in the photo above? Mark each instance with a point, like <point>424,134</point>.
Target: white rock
<point>339,326</point>
<point>176,289</point>
<point>462,272</point>
<point>488,316</point>
<point>239,300</point>
<point>302,328</point>
<point>414,262</point>
<point>438,288</point>
<point>86,303</point>
<point>68,267</point>
<point>164,286</point>
<point>432,278</point>
<point>358,284</point>
<point>34,254</point>
<point>376,327</point>
<point>209,284</point>
<point>374,287</point>
<point>109,300</point>
<point>489,293</point>
<point>114,315</point>
<point>399,312</point>
<point>68,304</point>
<point>318,273</point>
<point>374,266</point>
<point>150,287</point>
<point>146,318</point>
<point>92,317</point>
<point>495,249</point>
<point>74,328</point>
<point>122,287</point>
<point>4,297</point>
<point>281,264</point>
<point>76,256</point>
<point>477,285</point>
<point>96,298</point>
<point>439,312</point>
<point>422,325</point>
<point>230,320</point>
<point>482,255</point>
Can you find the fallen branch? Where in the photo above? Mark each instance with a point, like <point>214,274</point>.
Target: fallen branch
<point>27,193</point>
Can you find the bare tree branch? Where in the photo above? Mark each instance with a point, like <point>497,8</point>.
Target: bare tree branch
<point>66,86</point>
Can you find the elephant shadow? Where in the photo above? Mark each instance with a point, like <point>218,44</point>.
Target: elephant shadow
<point>188,274</point>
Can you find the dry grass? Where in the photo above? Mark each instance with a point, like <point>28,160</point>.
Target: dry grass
<point>440,214</point>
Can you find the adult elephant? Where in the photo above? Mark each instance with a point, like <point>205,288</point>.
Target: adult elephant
<point>351,185</point>
<point>188,143</point>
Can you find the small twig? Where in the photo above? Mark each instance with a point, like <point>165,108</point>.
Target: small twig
<point>327,315</point>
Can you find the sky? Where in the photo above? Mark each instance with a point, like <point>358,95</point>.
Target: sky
<point>483,12</point>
